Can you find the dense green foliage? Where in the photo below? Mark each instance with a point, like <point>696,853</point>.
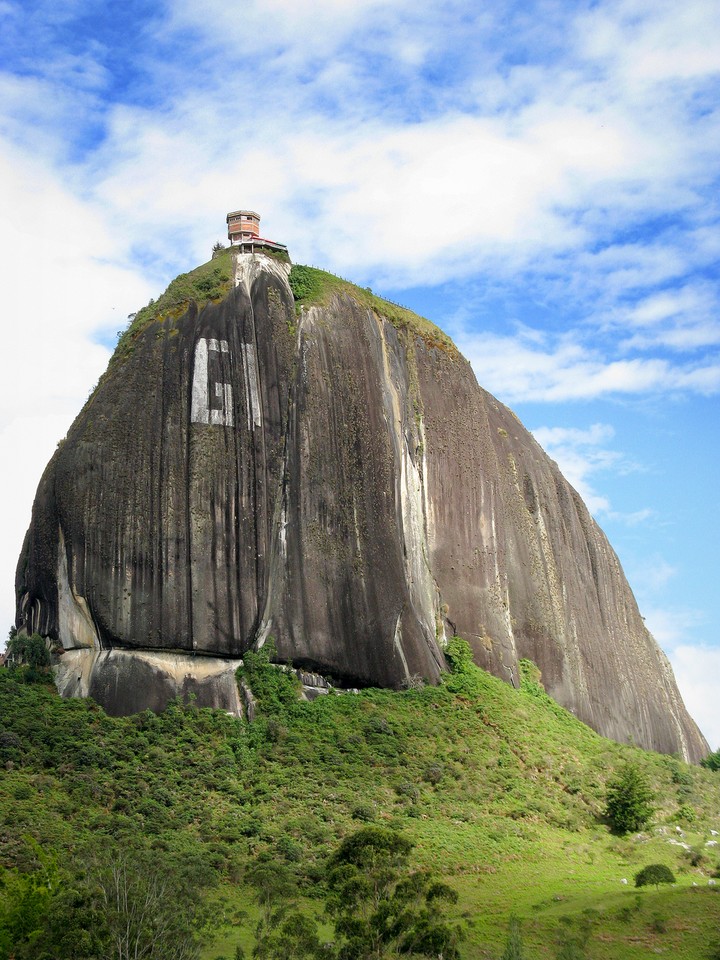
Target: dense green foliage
<point>629,800</point>
<point>712,761</point>
<point>654,873</point>
<point>311,286</point>
<point>500,792</point>
<point>29,657</point>
<point>459,655</point>
<point>274,688</point>
<point>380,908</point>
<point>85,798</point>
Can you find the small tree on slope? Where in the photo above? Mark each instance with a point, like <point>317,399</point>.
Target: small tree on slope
<point>513,945</point>
<point>629,800</point>
<point>655,873</point>
<point>381,908</point>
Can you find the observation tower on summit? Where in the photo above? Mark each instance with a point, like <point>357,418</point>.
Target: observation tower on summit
<point>244,232</point>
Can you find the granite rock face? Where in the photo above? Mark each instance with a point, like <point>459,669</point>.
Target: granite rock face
<point>342,484</point>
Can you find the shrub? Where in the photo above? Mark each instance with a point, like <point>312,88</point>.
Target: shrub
<point>682,776</point>
<point>276,689</point>
<point>628,800</point>
<point>695,857</point>
<point>434,773</point>
<point>381,907</point>
<point>289,849</point>
<point>712,761</point>
<point>655,873</point>
<point>685,813</point>
<point>409,790</point>
<point>305,282</point>
<point>458,654</point>
<point>30,650</point>
<point>513,945</point>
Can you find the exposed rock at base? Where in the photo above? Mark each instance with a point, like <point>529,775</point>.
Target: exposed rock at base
<point>338,482</point>
<point>128,681</point>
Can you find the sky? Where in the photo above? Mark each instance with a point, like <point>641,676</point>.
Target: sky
<point>539,178</point>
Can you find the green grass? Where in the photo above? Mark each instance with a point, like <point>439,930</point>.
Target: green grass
<point>208,282</point>
<point>313,287</point>
<point>502,792</point>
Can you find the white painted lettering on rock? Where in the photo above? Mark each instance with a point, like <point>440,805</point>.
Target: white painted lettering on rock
<point>211,394</point>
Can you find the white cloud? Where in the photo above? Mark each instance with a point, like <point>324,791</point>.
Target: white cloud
<point>64,283</point>
<point>580,454</point>
<point>696,666</point>
<point>665,305</point>
<point>696,671</point>
<point>651,577</point>
<point>442,194</point>
<point>681,319</point>
<point>654,41</point>
<point>538,367</point>
<point>671,626</point>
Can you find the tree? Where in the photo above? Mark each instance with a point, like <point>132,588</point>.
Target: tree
<point>31,650</point>
<point>151,907</point>
<point>574,935</point>
<point>712,761</point>
<point>295,938</point>
<point>276,895</point>
<point>629,800</point>
<point>383,909</point>
<point>275,689</point>
<point>513,945</point>
<point>282,930</point>
<point>655,873</point>
<point>24,900</point>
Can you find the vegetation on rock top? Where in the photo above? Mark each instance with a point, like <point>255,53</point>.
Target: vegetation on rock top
<point>313,287</point>
<point>210,281</point>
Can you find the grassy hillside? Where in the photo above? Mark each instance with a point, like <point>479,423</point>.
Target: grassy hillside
<point>501,791</point>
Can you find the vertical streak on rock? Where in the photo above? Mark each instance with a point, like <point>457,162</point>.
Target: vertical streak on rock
<point>407,436</point>
<point>252,397</point>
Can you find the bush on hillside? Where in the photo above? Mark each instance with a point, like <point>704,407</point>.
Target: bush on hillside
<point>459,655</point>
<point>513,945</point>
<point>655,873</point>
<point>274,687</point>
<point>381,907</point>
<point>29,650</point>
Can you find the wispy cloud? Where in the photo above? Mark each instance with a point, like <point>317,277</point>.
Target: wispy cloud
<point>696,670</point>
<point>581,455</point>
<point>549,368</point>
<point>68,280</point>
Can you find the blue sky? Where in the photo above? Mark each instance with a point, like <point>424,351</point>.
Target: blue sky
<point>539,178</point>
